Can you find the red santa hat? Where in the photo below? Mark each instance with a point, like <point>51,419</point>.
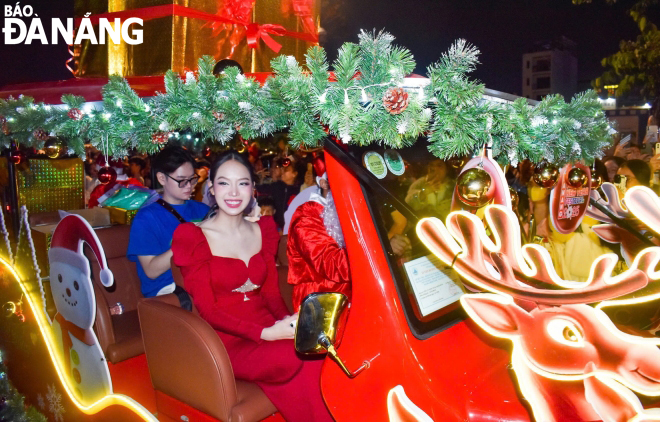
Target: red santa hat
<point>67,246</point>
<point>319,166</point>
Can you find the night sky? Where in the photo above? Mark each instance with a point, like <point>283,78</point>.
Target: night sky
<point>502,29</point>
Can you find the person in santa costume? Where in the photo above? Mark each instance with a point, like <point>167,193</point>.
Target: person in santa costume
<point>315,247</point>
<point>81,357</point>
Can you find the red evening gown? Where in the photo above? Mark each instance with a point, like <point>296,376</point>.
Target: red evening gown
<point>293,385</point>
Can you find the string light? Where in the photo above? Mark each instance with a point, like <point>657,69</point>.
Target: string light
<point>119,103</point>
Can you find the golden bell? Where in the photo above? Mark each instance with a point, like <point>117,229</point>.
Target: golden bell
<point>53,148</point>
<point>546,175</point>
<point>596,181</point>
<point>577,178</point>
<point>474,187</point>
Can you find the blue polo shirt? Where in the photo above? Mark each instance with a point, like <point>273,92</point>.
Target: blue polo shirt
<point>151,234</point>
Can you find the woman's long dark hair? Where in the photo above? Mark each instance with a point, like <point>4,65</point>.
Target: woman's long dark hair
<point>220,160</point>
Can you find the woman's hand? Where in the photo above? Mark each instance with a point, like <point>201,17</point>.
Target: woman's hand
<point>281,330</point>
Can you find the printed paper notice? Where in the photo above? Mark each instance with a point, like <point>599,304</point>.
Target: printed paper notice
<point>433,288</point>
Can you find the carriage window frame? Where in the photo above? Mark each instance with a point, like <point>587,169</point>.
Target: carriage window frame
<point>371,186</point>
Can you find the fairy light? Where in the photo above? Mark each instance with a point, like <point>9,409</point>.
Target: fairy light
<point>322,98</point>
<point>119,103</point>
<point>147,108</point>
<point>106,116</point>
<point>130,122</point>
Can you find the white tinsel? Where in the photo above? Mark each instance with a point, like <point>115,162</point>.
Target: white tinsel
<point>291,61</point>
<point>402,127</point>
<point>244,105</point>
<point>190,78</point>
<point>331,221</point>
<point>538,121</point>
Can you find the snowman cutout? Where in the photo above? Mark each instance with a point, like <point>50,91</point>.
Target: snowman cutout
<point>81,356</point>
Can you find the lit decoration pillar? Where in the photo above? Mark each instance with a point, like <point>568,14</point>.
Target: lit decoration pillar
<point>176,33</point>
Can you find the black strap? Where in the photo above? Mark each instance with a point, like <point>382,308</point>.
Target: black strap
<point>171,210</point>
<point>184,298</point>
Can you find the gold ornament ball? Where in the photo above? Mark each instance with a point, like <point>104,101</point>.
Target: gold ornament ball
<point>515,199</point>
<point>596,181</point>
<point>8,309</point>
<point>546,175</point>
<point>473,187</point>
<point>577,178</point>
<point>53,148</point>
<point>457,162</point>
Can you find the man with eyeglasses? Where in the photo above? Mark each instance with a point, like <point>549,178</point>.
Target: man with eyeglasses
<point>153,226</point>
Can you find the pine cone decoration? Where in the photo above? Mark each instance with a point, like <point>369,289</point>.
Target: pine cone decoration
<point>218,115</point>
<point>75,114</point>
<point>395,100</point>
<point>40,135</point>
<point>160,138</point>
<point>5,128</point>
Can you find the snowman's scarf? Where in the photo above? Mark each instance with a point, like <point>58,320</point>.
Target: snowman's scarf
<point>84,335</point>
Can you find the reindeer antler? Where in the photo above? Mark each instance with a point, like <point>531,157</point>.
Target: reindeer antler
<point>611,202</point>
<point>507,267</point>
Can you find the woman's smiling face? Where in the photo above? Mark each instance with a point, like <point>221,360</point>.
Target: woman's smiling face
<point>232,187</point>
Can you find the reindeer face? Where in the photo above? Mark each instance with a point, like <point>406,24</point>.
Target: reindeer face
<point>561,341</point>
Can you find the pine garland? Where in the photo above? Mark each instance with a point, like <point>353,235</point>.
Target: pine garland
<point>12,403</point>
<point>353,106</point>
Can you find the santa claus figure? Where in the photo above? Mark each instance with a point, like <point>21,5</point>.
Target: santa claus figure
<point>315,247</point>
<point>81,357</point>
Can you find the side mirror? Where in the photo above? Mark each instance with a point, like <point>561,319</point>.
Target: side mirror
<point>320,318</point>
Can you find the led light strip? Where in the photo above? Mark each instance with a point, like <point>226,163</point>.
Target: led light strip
<point>99,405</point>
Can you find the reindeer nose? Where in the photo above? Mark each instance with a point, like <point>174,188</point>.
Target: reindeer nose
<point>68,292</point>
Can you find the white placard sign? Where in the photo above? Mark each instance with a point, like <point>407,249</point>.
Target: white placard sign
<point>433,288</point>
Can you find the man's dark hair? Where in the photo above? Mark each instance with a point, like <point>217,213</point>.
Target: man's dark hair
<point>225,63</point>
<point>171,158</point>
<point>202,163</point>
<point>139,161</point>
<point>265,201</point>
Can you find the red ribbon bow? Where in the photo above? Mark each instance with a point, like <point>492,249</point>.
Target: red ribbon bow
<point>255,32</point>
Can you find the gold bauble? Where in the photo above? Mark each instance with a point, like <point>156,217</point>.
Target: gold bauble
<point>546,175</point>
<point>474,187</point>
<point>8,309</point>
<point>457,162</point>
<point>53,148</point>
<point>577,178</point>
<point>515,199</point>
<point>596,181</point>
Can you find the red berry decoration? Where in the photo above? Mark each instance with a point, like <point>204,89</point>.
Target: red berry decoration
<point>16,157</point>
<point>107,175</point>
<point>395,100</point>
<point>75,114</point>
<point>218,115</point>
<point>286,162</point>
<point>160,138</point>
<point>40,135</point>
<point>207,152</point>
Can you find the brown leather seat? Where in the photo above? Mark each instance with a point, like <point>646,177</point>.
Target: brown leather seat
<point>188,362</point>
<point>119,335</point>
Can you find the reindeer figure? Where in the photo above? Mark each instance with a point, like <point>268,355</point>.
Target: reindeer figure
<point>567,355</point>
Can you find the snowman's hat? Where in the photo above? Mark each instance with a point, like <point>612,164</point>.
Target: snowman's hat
<point>67,246</point>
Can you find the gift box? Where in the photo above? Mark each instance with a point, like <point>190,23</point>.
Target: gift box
<point>121,216</point>
<point>176,33</point>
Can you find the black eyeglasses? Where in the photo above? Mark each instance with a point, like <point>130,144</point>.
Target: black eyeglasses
<point>183,182</point>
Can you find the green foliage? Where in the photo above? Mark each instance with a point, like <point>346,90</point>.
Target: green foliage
<point>310,103</point>
<point>636,66</point>
<point>13,406</point>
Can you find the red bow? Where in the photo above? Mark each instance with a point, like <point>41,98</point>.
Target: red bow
<point>256,32</point>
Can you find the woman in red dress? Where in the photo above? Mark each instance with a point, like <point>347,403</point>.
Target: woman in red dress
<point>228,265</point>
